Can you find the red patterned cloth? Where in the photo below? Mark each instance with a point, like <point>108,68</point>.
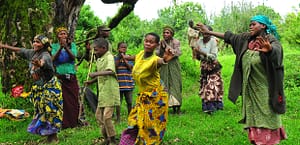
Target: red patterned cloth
<point>17,91</point>
<point>266,136</point>
<point>128,136</point>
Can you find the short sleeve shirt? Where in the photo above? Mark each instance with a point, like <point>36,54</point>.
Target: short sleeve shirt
<point>108,85</point>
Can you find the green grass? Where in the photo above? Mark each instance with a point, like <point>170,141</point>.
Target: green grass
<point>192,127</point>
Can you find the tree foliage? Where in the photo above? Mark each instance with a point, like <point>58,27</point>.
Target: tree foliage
<point>291,29</point>
<point>20,22</point>
<point>177,16</point>
<point>86,27</point>
<point>236,16</point>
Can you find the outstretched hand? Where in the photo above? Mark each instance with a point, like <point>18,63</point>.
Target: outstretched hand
<point>264,44</point>
<point>169,54</point>
<point>92,75</point>
<point>202,28</point>
<point>36,62</point>
<point>2,45</point>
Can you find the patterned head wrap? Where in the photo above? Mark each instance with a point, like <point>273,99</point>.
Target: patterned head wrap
<point>45,41</point>
<point>42,38</point>
<point>59,29</point>
<point>271,28</point>
<point>169,28</point>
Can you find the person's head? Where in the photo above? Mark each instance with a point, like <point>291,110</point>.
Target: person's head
<point>168,32</point>
<point>261,25</point>
<point>61,33</point>
<point>41,43</point>
<point>103,31</point>
<point>122,47</point>
<point>151,41</point>
<point>100,46</point>
<point>191,23</point>
<point>205,35</point>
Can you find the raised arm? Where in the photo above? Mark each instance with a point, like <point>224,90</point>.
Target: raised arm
<point>168,55</point>
<point>16,49</point>
<point>204,29</point>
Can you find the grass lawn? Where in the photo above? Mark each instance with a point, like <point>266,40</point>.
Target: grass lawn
<point>191,128</point>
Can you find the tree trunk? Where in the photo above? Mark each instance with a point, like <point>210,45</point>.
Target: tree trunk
<point>66,14</point>
<point>22,20</point>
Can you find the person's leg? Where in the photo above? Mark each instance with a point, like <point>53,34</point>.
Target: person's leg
<point>118,108</point>
<point>52,138</point>
<point>128,97</point>
<point>108,124</point>
<point>210,107</point>
<point>174,109</point>
<point>178,109</point>
<point>100,120</point>
<point>204,105</point>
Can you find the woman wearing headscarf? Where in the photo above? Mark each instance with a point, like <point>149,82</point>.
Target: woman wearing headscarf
<point>64,53</point>
<point>46,94</point>
<point>258,78</point>
<point>171,73</point>
<point>211,83</point>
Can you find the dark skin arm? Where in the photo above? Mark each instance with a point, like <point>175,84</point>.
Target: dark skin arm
<point>264,44</point>
<point>204,29</point>
<point>94,76</point>
<point>122,58</point>
<point>12,48</point>
<point>64,45</point>
<point>130,58</point>
<point>169,54</point>
<point>199,52</point>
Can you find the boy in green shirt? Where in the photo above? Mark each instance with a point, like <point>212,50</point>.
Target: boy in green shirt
<point>108,87</point>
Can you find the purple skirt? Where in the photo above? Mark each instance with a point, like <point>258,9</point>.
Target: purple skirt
<point>41,128</point>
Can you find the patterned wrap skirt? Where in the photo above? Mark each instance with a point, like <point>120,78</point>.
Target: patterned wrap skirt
<point>48,103</point>
<point>149,116</point>
<point>211,85</point>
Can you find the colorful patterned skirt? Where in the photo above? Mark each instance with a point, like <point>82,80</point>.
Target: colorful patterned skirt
<point>149,116</point>
<point>211,86</point>
<point>48,104</point>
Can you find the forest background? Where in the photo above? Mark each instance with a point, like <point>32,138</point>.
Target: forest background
<point>193,126</point>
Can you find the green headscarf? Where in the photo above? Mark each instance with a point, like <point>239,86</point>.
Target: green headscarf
<point>169,28</point>
<point>271,28</point>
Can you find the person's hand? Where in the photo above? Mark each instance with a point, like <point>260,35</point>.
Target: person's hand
<point>199,52</point>
<point>92,75</point>
<point>264,44</point>
<point>169,54</point>
<point>202,28</point>
<point>86,83</point>
<point>63,42</point>
<point>1,45</point>
<point>36,62</point>
<point>88,46</point>
<point>122,55</point>
<point>127,57</point>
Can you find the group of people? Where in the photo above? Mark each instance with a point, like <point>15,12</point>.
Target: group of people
<point>55,88</point>
<point>155,70</point>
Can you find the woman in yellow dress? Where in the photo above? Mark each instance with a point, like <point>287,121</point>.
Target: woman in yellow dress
<point>147,121</point>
